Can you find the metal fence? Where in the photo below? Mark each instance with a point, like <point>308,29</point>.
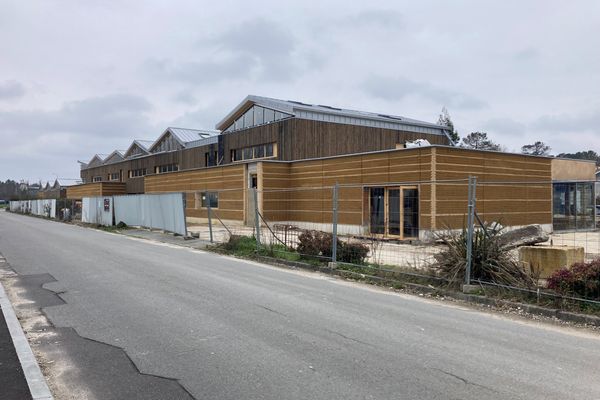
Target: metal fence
<point>397,231</point>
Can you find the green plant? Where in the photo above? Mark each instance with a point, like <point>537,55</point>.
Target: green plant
<point>491,260</point>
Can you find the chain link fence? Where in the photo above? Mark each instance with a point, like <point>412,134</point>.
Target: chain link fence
<point>400,232</point>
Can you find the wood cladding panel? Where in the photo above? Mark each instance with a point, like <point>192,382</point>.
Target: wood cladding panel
<point>227,180</point>
<point>95,189</point>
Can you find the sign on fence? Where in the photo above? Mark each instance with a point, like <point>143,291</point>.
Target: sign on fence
<point>93,210</point>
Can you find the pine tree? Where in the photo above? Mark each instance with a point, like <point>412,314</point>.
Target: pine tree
<point>444,119</point>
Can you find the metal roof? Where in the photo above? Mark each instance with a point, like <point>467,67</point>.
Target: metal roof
<point>322,112</point>
<point>144,144</point>
<point>185,135</point>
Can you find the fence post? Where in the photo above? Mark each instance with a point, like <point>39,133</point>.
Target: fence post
<point>470,227</point>
<point>335,222</point>
<point>256,218</point>
<point>208,210</point>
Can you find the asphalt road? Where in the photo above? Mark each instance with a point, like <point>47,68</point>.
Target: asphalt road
<point>229,329</point>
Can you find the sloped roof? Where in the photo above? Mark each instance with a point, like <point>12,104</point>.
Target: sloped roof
<point>117,154</point>
<point>144,145</point>
<point>99,157</point>
<point>322,112</point>
<point>184,135</point>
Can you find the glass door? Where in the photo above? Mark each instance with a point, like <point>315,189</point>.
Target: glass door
<point>394,211</point>
<point>377,210</point>
<point>394,217</point>
<point>410,213</point>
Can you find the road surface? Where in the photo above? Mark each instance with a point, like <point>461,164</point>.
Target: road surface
<point>230,329</point>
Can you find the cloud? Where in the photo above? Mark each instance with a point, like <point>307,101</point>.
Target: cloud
<point>79,127</point>
<point>11,90</point>
<point>375,18</point>
<point>395,89</point>
<point>505,126</point>
<point>256,49</point>
<point>569,123</point>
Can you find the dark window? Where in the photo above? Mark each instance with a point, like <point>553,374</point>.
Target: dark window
<point>269,150</point>
<point>377,210</point>
<point>248,153</point>
<point>97,179</point>
<point>211,198</point>
<point>167,168</point>
<point>259,151</point>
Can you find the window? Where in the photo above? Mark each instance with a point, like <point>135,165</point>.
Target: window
<point>259,151</point>
<point>269,150</point>
<point>115,176</point>
<point>137,172</point>
<point>254,116</point>
<point>97,179</point>
<point>209,198</point>
<point>249,153</point>
<point>161,169</point>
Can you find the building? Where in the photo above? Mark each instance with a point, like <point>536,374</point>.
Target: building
<point>293,153</point>
<point>54,191</point>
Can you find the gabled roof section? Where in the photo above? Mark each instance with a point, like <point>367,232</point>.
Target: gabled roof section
<point>114,157</point>
<point>182,137</point>
<point>321,112</point>
<point>96,161</point>
<point>138,148</point>
<point>56,185</point>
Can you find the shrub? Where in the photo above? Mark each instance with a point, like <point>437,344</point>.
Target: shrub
<point>315,244</point>
<point>582,280</point>
<point>319,245</point>
<point>353,252</point>
<point>491,260</point>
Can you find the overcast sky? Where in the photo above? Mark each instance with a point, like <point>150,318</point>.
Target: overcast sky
<point>85,77</point>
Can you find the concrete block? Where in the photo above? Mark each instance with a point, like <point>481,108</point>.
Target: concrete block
<point>547,259</point>
<point>471,289</point>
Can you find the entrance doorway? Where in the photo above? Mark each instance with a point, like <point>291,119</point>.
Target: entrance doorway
<point>394,211</point>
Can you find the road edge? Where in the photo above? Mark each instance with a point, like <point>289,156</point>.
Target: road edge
<point>33,374</point>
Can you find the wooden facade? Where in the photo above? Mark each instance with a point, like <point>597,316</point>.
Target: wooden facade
<point>228,181</point>
<point>95,189</point>
<point>513,189</point>
<point>295,139</point>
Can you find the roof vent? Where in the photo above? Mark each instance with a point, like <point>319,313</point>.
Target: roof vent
<point>299,102</point>
<point>331,108</point>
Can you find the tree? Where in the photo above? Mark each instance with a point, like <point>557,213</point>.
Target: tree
<point>480,141</point>
<point>582,155</point>
<point>536,149</point>
<point>444,119</point>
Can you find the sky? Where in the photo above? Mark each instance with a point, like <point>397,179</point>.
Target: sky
<point>84,77</point>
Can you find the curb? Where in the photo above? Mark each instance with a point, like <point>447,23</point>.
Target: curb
<point>33,375</point>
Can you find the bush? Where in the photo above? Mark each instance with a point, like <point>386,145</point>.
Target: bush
<point>315,244</point>
<point>318,244</point>
<point>582,280</point>
<point>491,260</point>
<point>353,253</point>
